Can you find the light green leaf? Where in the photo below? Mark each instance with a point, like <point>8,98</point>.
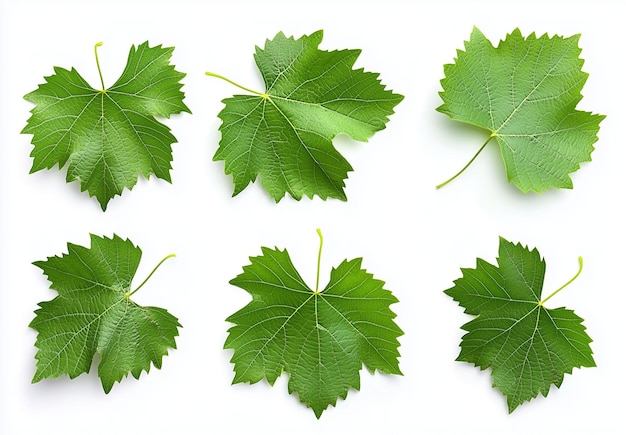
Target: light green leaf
<point>108,137</point>
<point>284,135</point>
<point>93,313</point>
<point>527,346</point>
<point>524,93</point>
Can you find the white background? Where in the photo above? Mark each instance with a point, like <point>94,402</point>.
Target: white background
<point>412,236</point>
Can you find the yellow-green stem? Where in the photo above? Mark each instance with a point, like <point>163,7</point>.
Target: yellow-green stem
<point>468,163</point>
<point>210,74</point>
<point>580,269</point>
<point>319,261</point>
<point>151,273</point>
<point>95,49</point>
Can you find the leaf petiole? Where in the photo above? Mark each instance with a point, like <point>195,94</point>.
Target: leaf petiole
<point>319,261</point>
<point>468,163</point>
<point>210,74</point>
<point>95,50</point>
<point>128,295</point>
<point>580,269</point>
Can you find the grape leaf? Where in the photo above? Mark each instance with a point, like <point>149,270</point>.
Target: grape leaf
<point>108,137</point>
<point>284,135</point>
<point>93,313</point>
<point>524,92</point>
<point>320,338</point>
<point>529,347</point>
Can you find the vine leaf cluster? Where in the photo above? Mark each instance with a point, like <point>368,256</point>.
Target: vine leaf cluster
<point>524,93</point>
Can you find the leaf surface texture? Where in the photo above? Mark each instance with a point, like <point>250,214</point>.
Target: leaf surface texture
<point>285,135</point>
<point>527,346</point>
<point>525,92</point>
<point>321,339</point>
<point>108,137</point>
<point>93,313</point>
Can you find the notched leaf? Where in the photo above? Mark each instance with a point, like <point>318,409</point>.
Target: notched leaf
<point>284,135</point>
<point>524,93</point>
<point>321,339</point>
<point>108,137</point>
<point>527,346</point>
<point>93,314</point>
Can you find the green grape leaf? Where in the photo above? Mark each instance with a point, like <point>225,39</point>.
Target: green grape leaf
<point>524,92</point>
<point>93,313</point>
<point>320,338</point>
<point>527,346</point>
<point>284,135</point>
<point>108,137</point>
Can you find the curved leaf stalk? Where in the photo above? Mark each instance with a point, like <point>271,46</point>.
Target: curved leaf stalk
<point>580,269</point>
<point>439,186</point>
<point>319,261</point>
<point>95,50</point>
<point>210,74</point>
<point>128,295</point>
